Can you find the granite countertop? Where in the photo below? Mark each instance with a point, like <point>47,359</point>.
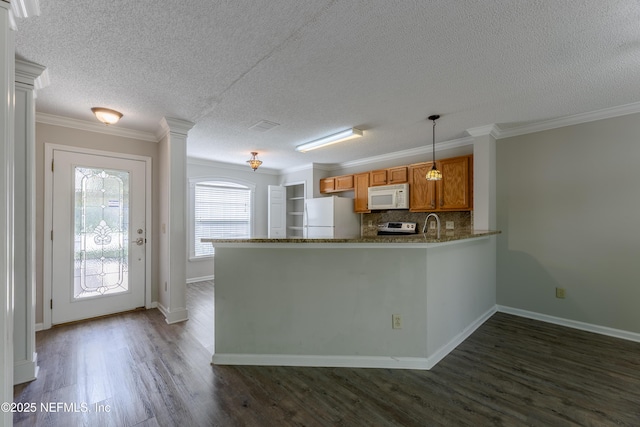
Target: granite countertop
<point>445,236</point>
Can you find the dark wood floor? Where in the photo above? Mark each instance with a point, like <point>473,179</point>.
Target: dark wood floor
<point>511,371</point>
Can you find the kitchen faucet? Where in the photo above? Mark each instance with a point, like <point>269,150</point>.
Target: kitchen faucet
<point>426,221</point>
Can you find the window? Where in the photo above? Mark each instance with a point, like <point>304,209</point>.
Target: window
<point>221,210</point>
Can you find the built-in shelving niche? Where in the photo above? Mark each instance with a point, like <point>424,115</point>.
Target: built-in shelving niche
<point>295,210</point>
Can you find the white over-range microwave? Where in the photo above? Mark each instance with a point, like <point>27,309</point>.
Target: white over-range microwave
<point>389,197</point>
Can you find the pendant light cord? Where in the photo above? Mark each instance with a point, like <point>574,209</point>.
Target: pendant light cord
<point>433,142</point>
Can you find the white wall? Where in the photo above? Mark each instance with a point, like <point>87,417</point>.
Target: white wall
<point>262,178</point>
<point>567,204</point>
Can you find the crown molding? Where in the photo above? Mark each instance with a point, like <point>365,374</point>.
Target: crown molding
<point>446,145</point>
<point>230,166</point>
<point>54,120</point>
<point>294,169</point>
<point>576,119</point>
<point>28,72</point>
<point>491,129</point>
<point>42,80</point>
<point>175,126</point>
<point>25,8</point>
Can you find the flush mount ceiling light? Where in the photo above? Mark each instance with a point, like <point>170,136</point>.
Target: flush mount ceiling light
<point>331,139</point>
<point>253,161</point>
<point>107,116</point>
<point>434,174</point>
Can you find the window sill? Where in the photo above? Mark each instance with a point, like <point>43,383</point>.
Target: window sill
<point>201,258</point>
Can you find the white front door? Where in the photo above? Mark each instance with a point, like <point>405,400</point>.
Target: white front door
<point>99,235</point>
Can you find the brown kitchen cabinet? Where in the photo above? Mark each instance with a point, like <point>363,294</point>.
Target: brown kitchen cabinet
<point>344,183</point>
<point>335,184</point>
<point>328,185</point>
<point>390,176</point>
<point>452,193</point>
<point>397,175</point>
<point>378,177</point>
<point>361,191</point>
<point>422,193</point>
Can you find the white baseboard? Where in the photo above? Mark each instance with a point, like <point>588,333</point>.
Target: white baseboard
<point>458,339</point>
<point>176,316</point>
<point>25,370</point>
<point>320,361</point>
<point>380,362</point>
<point>39,327</point>
<point>589,327</point>
<point>200,279</point>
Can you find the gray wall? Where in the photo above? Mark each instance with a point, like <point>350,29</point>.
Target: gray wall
<point>568,202</point>
<point>325,302</point>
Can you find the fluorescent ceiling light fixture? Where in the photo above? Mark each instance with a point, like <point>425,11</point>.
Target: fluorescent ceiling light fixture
<point>331,139</point>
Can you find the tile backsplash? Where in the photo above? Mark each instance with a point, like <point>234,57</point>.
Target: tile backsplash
<point>461,220</point>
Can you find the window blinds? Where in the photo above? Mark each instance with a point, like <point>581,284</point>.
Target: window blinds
<point>222,211</point>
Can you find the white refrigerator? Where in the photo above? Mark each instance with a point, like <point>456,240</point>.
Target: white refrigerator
<point>330,218</point>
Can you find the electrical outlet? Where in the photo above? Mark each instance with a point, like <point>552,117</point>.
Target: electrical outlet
<point>432,225</point>
<point>561,293</point>
<point>449,225</point>
<point>396,321</point>
<point>370,223</point>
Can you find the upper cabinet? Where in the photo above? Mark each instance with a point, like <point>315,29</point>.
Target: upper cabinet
<point>397,175</point>
<point>362,183</point>
<point>378,177</point>
<point>422,193</point>
<point>390,176</point>
<point>452,193</point>
<point>336,183</point>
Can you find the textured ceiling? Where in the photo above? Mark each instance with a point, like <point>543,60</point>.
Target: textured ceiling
<point>319,66</point>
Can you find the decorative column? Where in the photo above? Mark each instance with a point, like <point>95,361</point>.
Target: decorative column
<point>173,215</point>
<point>7,54</point>
<point>25,357</point>
<point>484,177</point>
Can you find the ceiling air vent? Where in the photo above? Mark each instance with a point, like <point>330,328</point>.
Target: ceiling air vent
<point>264,125</point>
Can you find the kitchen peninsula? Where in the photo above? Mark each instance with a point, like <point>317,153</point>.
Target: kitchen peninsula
<point>330,302</point>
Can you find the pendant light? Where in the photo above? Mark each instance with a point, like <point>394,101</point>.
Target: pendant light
<point>253,161</point>
<point>434,174</point>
